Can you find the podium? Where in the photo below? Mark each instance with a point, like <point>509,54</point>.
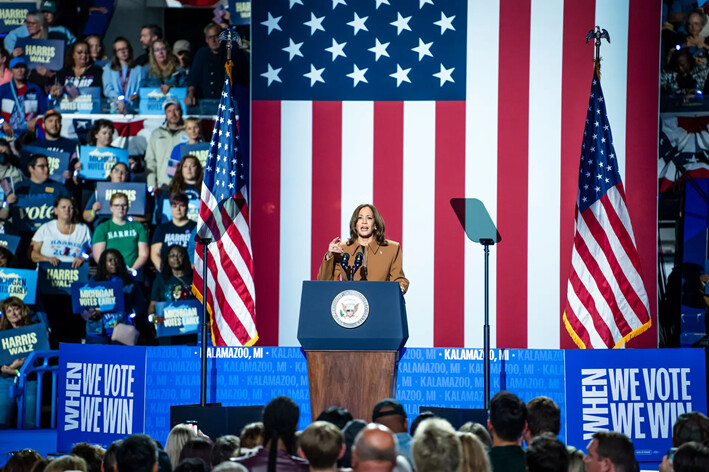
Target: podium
<point>351,333</point>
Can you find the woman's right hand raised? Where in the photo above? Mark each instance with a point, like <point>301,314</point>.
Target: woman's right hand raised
<point>334,248</point>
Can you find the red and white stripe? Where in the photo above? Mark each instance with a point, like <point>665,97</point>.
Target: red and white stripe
<point>230,285</point>
<point>607,303</point>
<point>514,144</point>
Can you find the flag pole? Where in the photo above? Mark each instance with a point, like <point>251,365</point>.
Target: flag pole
<point>598,34</point>
<point>205,324</point>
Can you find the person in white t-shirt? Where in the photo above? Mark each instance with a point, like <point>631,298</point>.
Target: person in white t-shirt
<point>62,239</point>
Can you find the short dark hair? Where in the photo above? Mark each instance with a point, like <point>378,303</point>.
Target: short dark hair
<point>693,426</point>
<point>543,415</point>
<point>508,415</point>
<point>547,454</point>
<point>691,457</point>
<point>155,30</point>
<point>109,458</point>
<point>22,460</point>
<point>138,453</point>
<point>96,127</point>
<point>92,454</point>
<point>336,415</point>
<point>618,448</point>
<point>192,464</point>
<point>225,447</point>
<point>34,158</point>
<point>198,447</point>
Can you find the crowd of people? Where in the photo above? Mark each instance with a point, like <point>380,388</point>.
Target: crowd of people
<point>685,49</point>
<point>117,75</point>
<point>336,441</point>
<point>150,252</point>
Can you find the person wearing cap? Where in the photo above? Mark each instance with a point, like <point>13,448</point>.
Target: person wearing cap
<point>161,142</point>
<point>57,32</point>
<point>391,414</point>
<point>172,232</point>
<point>21,102</point>
<point>53,139</point>
<point>183,51</point>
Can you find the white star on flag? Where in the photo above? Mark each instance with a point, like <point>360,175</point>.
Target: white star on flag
<point>315,75</point>
<point>401,75</point>
<point>271,75</point>
<point>358,23</point>
<point>445,75</point>
<point>272,23</point>
<point>357,75</point>
<point>379,49</point>
<point>293,49</point>
<point>336,49</point>
<point>446,23</point>
<point>423,49</point>
<point>401,23</point>
<point>315,24</point>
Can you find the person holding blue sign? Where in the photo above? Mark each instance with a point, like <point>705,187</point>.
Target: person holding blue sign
<point>119,174</point>
<point>80,72</point>
<point>100,326</point>
<point>22,102</point>
<point>194,136</point>
<point>187,180</point>
<point>175,281</point>
<point>128,237</point>
<point>15,314</point>
<point>122,78</point>
<point>172,232</point>
<point>62,240</point>
<point>163,70</point>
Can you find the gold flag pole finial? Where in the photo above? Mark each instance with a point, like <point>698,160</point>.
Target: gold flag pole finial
<point>598,34</point>
<point>229,36</point>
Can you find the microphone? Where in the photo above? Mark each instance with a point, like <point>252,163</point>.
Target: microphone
<point>345,264</point>
<point>359,257</point>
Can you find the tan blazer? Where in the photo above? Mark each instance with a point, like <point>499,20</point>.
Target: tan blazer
<point>383,263</point>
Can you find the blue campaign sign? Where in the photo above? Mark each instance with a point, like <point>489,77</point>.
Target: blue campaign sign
<point>20,283</point>
<point>48,53</point>
<point>13,15</point>
<point>151,99</point>
<point>135,192</point>
<point>17,343</point>
<point>57,280</point>
<point>97,162</point>
<point>88,101</point>
<point>10,242</point>
<point>199,150</point>
<point>106,296</point>
<point>179,317</point>
<point>240,12</point>
<point>58,161</point>
<point>638,392</point>
<point>32,211</point>
<point>101,395</point>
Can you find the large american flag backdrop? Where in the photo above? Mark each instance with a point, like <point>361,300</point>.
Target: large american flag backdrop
<point>409,103</point>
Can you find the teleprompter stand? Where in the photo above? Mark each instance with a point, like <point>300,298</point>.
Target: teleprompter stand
<point>479,228</point>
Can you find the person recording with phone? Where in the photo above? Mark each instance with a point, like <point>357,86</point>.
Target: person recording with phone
<point>373,257</point>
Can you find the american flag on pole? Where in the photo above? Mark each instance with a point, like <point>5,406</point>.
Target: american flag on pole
<point>409,103</point>
<point>606,299</point>
<point>224,218</point>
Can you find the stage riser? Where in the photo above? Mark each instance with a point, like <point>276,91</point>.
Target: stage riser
<point>619,382</point>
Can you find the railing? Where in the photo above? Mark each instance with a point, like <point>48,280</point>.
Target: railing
<point>37,364</point>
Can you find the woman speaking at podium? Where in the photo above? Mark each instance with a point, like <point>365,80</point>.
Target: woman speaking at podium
<point>367,255</point>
